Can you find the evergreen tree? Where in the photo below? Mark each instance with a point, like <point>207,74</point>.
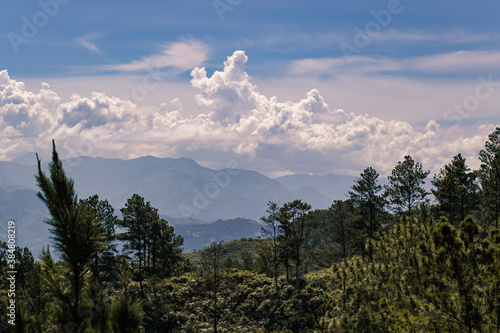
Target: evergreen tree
<point>458,285</point>
<point>126,312</point>
<point>212,259</point>
<point>153,242</point>
<point>78,236</point>
<point>105,262</point>
<point>272,229</point>
<point>165,248</point>
<point>340,231</point>
<point>456,190</point>
<point>137,219</point>
<point>295,218</point>
<point>341,227</point>
<point>264,260</point>
<point>489,175</point>
<point>405,189</point>
<point>368,203</point>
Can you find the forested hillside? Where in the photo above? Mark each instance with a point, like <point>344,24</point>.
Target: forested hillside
<point>388,258</point>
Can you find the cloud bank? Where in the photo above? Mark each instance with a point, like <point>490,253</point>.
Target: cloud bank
<point>278,137</point>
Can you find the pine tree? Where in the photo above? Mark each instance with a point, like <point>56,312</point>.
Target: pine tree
<point>456,190</point>
<point>137,217</point>
<point>340,227</point>
<point>166,251</point>
<point>212,259</point>
<point>78,236</point>
<point>367,201</point>
<point>295,218</point>
<point>105,262</point>
<point>458,290</point>
<point>489,175</point>
<point>126,312</point>
<point>340,231</point>
<point>272,229</point>
<point>405,189</point>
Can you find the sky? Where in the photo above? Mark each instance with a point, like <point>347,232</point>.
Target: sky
<point>280,87</point>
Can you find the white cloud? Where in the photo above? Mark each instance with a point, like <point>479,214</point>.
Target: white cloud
<point>456,36</point>
<point>278,136</point>
<point>181,55</point>
<point>460,62</point>
<point>29,114</point>
<point>86,42</point>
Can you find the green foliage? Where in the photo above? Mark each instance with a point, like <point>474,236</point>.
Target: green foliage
<point>341,231</point>
<point>405,190</point>
<point>489,174</point>
<point>295,218</point>
<point>368,202</point>
<point>423,278</point>
<point>126,312</point>
<point>456,189</point>
<point>272,228</point>
<point>105,263</point>
<point>214,272</point>
<point>422,273</point>
<point>152,242</point>
<point>126,315</point>
<point>78,236</point>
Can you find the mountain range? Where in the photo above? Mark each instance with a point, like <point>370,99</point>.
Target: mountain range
<point>184,192</point>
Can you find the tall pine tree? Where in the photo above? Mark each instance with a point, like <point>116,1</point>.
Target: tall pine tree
<point>78,236</point>
<point>490,176</point>
<point>456,190</point>
<point>405,190</point>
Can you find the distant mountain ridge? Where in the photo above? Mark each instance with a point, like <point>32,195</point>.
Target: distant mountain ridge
<point>333,187</point>
<point>182,190</point>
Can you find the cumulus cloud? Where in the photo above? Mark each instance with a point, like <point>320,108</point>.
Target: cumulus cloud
<point>307,135</point>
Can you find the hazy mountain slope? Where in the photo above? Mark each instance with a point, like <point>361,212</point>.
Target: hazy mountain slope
<point>311,194</point>
<point>200,235</point>
<point>29,213</point>
<point>332,186</point>
<point>179,188</point>
<point>15,176</point>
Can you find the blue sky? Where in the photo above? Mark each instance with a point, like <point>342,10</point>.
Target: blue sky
<point>422,81</point>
